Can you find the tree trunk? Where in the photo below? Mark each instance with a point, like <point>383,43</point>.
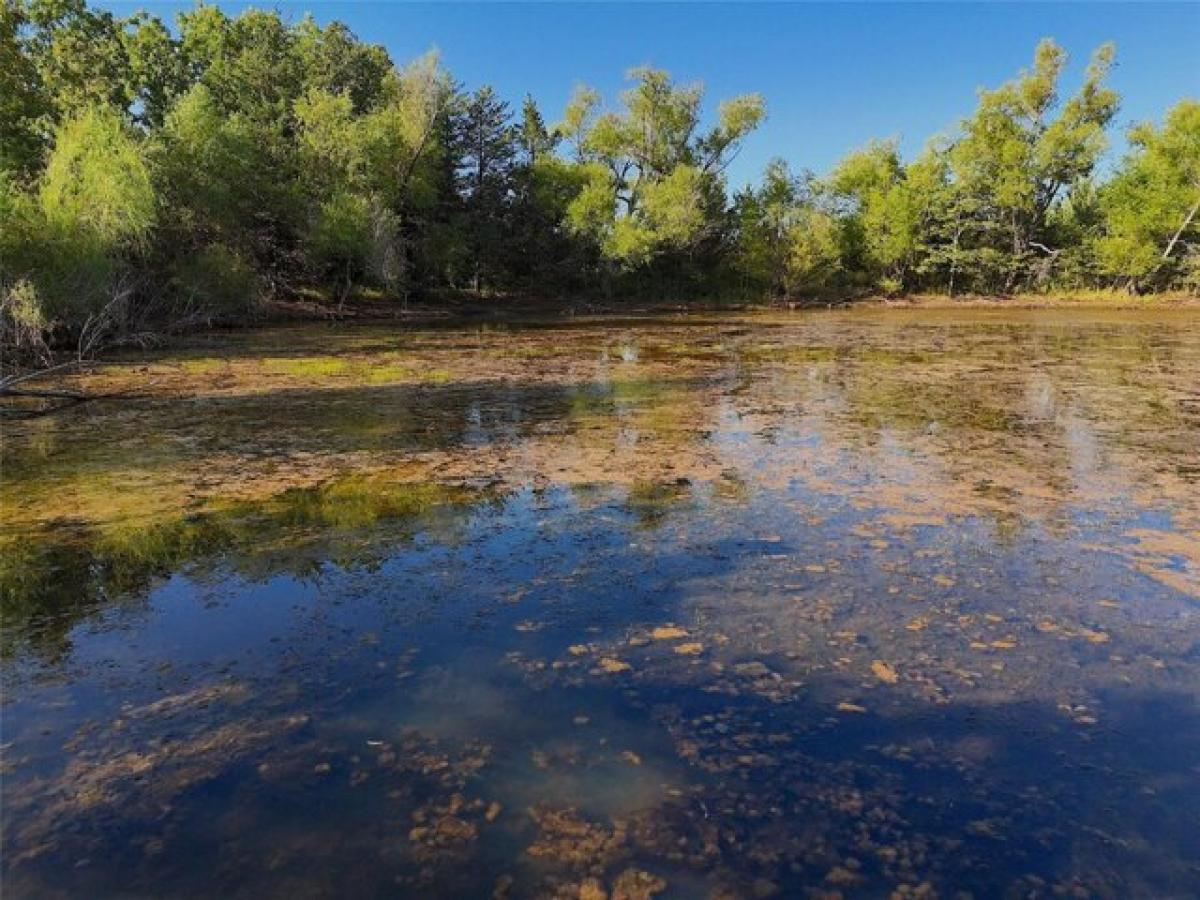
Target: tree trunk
<point>1182,228</point>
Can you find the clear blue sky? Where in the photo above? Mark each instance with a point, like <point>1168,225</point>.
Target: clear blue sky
<point>834,75</point>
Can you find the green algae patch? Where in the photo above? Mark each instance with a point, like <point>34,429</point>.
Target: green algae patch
<point>202,365</point>
<point>307,367</point>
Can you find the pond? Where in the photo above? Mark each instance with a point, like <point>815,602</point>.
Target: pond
<point>840,603</point>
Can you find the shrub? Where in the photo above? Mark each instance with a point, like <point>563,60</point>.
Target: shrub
<point>23,324</point>
<point>217,283</point>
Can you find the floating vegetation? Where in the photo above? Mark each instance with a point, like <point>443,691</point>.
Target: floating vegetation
<point>840,604</point>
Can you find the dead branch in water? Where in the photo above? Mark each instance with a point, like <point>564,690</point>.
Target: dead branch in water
<point>9,388</point>
<point>70,399</point>
<point>7,382</point>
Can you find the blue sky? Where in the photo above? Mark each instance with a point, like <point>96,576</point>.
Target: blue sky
<point>834,75</point>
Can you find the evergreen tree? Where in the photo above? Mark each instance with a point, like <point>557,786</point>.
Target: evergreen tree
<point>486,160</point>
<point>535,141</point>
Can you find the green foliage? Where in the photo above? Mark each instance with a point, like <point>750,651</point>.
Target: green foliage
<point>157,72</point>
<point>653,191</point>
<point>217,176</point>
<point>339,240</point>
<point>671,217</point>
<point>23,307</point>
<point>96,189</point>
<point>22,319</point>
<point>1017,157</point>
<point>546,253</point>
<point>23,100</point>
<point>1150,207</point>
<point>79,56</point>
<point>590,213</point>
<point>533,138</point>
<point>1005,203</point>
<point>333,60</point>
<point>249,63</point>
<point>764,218</point>
<point>240,156</point>
<point>406,136</point>
<point>216,282</point>
<point>96,209</point>
<point>485,147</point>
<point>20,228</point>
<point>814,254</point>
<point>330,141</point>
<point>879,222</point>
<point>579,118</point>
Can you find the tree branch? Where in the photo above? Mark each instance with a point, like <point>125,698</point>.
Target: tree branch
<point>1182,228</point>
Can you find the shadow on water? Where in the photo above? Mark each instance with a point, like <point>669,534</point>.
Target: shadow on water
<point>554,696</point>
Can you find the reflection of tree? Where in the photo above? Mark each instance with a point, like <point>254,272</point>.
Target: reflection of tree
<point>1002,419</point>
<point>650,502</point>
<point>53,578</point>
<point>992,416</point>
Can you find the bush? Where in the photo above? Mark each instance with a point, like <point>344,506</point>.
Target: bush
<point>96,208</point>
<point>96,186</point>
<point>891,286</point>
<point>216,283</point>
<point>23,324</point>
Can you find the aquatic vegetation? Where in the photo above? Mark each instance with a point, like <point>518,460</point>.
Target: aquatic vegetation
<point>652,502</point>
<point>65,571</point>
<point>904,618</point>
<point>202,365</point>
<point>307,367</point>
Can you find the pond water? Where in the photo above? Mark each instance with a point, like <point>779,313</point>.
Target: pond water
<point>869,603</point>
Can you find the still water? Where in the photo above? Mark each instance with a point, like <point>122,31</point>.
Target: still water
<point>832,604</point>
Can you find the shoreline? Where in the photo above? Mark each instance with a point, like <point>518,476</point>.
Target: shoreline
<point>298,311</point>
<point>466,307</point>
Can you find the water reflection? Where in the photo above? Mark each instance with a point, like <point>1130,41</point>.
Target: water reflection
<point>845,604</point>
<point>55,576</point>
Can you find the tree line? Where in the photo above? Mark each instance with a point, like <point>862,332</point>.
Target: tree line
<point>151,174</point>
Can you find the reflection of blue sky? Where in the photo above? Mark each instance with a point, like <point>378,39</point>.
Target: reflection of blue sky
<point>1032,658</point>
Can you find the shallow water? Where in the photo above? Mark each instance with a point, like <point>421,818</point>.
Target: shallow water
<point>840,603</point>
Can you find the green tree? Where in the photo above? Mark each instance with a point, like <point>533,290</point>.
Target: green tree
<point>248,63</point>
<point>97,208</point>
<point>216,177</point>
<point>889,211</point>
<point>339,240</point>
<point>24,106</point>
<point>330,143</point>
<point>877,228</point>
<point>79,55</point>
<point>486,159</point>
<point>534,139</point>
<point>1151,206</point>
<point>408,142</point>
<point>655,183</point>
<point>97,185</point>
<point>333,60</point>
<point>814,260</point>
<point>766,218</point>
<point>1023,148</point>
<point>157,75</point>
